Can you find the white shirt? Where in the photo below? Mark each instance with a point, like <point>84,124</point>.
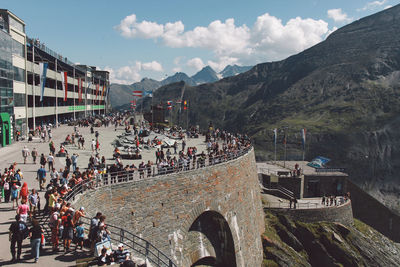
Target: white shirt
<point>50,158</point>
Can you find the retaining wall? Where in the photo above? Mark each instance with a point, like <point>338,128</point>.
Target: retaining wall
<point>341,214</point>
<point>162,210</point>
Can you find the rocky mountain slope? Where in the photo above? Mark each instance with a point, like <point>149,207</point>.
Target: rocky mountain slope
<point>205,75</point>
<point>121,94</point>
<point>292,243</point>
<point>345,91</point>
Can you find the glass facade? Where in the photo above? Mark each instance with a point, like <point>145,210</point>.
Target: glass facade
<point>18,48</point>
<point>6,74</point>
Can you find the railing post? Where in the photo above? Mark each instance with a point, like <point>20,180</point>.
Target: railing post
<point>121,235</point>
<point>147,249</point>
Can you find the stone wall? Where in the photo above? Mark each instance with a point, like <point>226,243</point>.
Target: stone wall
<point>341,214</point>
<point>369,210</point>
<point>163,209</point>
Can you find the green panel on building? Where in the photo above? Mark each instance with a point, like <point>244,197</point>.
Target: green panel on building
<point>5,129</point>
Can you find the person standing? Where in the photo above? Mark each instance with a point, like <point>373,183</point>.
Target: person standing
<point>35,234</point>
<point>23,210</point>
<point>25,153</point>
<point>50,161</point>
<point>33,201</point>
<point>17,231</point>
<point>74,159</point>
<point>34,155</point>
<point>41,174</point>
<point>43,160</point>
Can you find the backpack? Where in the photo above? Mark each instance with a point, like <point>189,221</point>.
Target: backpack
<point>23,230</point>
<point>6,186</point>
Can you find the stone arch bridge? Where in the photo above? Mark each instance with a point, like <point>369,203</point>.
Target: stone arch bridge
<point>205,217</point>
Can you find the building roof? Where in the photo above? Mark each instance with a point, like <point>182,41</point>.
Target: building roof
<point>273,167</point>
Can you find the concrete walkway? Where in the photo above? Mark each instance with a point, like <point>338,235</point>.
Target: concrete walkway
<point>13,153</point>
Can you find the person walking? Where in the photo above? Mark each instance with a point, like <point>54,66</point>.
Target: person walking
<point>17,232</point>
<point>33,202</point>
<point>43,160</point>
<point>50,161</point>
<point>74,159</point>
<point>25,153</point>
<point>34,155</point>
<point>35,234</point>
<point>41,174</point>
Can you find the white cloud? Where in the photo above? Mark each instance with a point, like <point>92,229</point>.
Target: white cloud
<point>222,62</point>
<point>195,63</point>
<point>177,69</point>
<point>372,5</point>
<point>154,66</point>
<point>130,28</point>
<point>268,39</point>
<point>338,15</point>
<point>131,74</point>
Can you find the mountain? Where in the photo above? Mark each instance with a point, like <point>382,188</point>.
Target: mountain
<point>345,91</point>
<point>206,75</point>
<point>121,94</point>
<point>233,70</point>
<point>293,243</point>
<point>177,77</point>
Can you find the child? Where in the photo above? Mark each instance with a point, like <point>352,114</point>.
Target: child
<point>79,235</point>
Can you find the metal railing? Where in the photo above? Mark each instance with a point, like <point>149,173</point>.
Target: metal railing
<point>135,243</point>
<point>140,173</point>
<point>130,240</point>
<point>302,205</point>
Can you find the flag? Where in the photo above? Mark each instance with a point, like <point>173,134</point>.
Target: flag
<point>303,137</point>
<point>137,93</point>
<point>275,135</point>
<point>284,139</point>
<point>102,92</point>
<point>107,92</point>
<point>148,93</point>
<point>64,80</point>
<point>169,105</point>
<point>43,72</point>
<point>97,90</point>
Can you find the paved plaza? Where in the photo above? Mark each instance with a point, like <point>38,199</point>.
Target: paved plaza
<point>13,153</point>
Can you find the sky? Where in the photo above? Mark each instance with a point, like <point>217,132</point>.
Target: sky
<point>133,39</point>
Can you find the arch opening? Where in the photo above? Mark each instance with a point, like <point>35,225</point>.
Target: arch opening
<point>214,241</point>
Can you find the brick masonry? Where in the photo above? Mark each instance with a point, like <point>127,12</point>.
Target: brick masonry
<point>164,208</point>
<point>341,214</point>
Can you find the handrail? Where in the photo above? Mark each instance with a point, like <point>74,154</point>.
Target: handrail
<point>301,206</point>
<point>123,176</point>
<point>147,250</point>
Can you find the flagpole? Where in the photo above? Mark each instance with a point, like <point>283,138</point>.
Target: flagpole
<point>33,88</point>
<point>284,160</point>
<point>56,105</point>
<point>74,92</point>
<point>275,137</point>
<point>152,111</point>
<point>187,117</point>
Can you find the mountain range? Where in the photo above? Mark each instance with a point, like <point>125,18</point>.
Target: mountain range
<point>345,91</point>
<point>121,94</point>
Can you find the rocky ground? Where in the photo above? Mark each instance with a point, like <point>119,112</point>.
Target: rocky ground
<point>292,243</point>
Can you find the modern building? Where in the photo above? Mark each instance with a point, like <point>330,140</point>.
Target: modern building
<point>70,91</point>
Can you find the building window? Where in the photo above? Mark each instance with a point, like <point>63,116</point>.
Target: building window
<point>19,100</point>
<point>18,48</point>
<point>19,74</point>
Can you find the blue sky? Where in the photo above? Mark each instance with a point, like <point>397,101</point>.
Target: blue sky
<point>134,39</point>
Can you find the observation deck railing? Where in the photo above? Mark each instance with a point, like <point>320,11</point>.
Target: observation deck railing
<point>130,240</point>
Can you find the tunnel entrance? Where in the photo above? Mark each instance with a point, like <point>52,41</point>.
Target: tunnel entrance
<point>210,232</point>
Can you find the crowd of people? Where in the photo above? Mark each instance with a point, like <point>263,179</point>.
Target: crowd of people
<point>64,220</point>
